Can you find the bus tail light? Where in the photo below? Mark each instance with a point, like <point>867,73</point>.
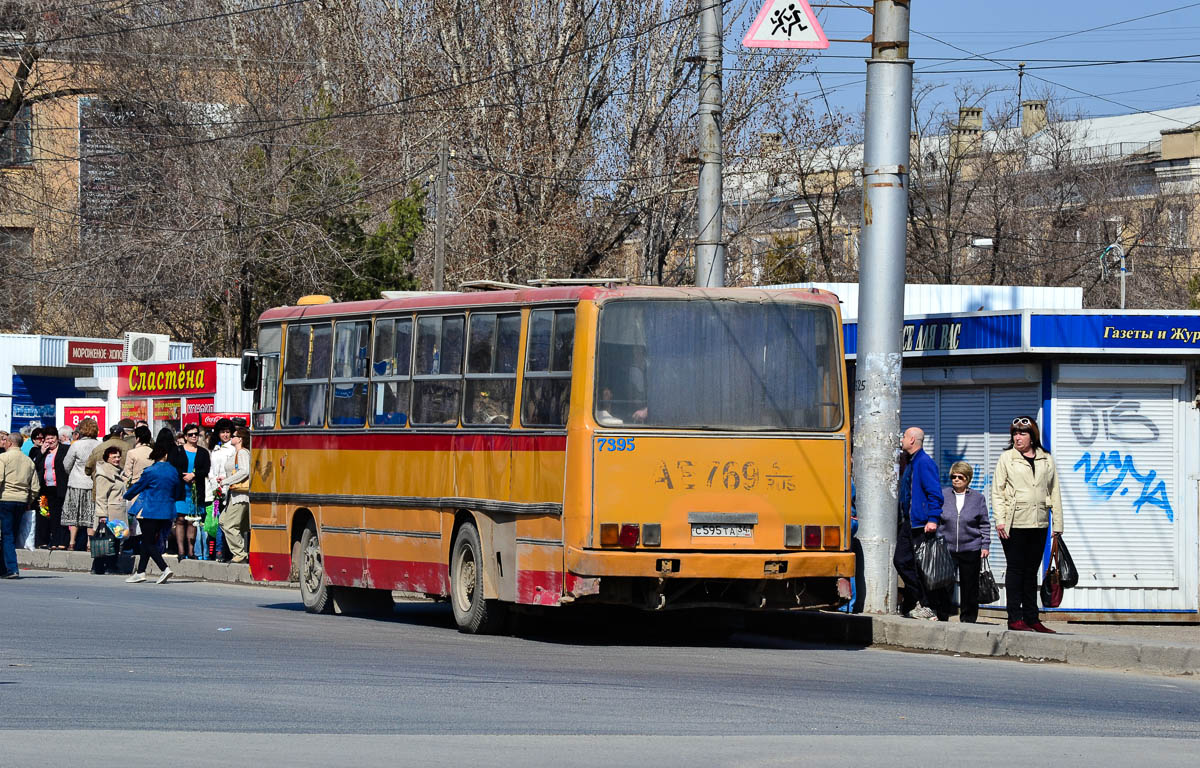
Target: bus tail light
<point>652,534</point>
<point>831,537</point>
<point>812,537</point>
<point>630,532</point>
<point>609,534</point>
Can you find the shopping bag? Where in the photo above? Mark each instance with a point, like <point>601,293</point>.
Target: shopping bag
<point>211,525</point>
<point>26,536</point>
<point>935,562</point>
<point>102,544</point>
<point>1068,575</point>
<point>989,591</point>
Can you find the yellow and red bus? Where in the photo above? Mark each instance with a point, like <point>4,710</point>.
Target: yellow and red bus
<point>656,447</point>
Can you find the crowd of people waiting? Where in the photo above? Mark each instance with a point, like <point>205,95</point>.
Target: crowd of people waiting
<point>186,493</point>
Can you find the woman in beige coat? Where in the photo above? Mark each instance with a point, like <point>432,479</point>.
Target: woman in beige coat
<point>1025,501</point>
<point>110,487</point>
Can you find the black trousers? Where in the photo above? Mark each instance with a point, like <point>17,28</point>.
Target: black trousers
<point>1023,552</point>
<point>968,584</point>
<point>151,545</point>
<point>49,531</point>
<point>905,561</point>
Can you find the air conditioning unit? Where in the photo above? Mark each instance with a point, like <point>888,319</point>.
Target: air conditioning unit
<point>147,347</point>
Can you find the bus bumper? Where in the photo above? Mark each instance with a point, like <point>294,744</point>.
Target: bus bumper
<point>592,563</point>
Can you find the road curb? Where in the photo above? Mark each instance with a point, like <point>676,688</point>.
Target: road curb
<point>995,641</point>
<point>202,570</point>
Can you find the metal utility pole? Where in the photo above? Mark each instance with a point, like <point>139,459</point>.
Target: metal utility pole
<point>881,298</point>
<point>439,234</point>
<point>710,249</point>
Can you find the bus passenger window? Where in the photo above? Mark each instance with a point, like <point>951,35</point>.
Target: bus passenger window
<point>265,399</point>
<point>437,373</point>
<point>348,407</point>
<point>390,372</point>
<point>547,384</point>
<point>306,375</point>
<point>491,386</point>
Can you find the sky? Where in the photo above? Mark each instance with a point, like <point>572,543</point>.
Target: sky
<point>1016,31</point>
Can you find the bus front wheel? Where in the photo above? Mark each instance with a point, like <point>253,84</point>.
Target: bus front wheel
<point>314,585</point>
<point>473,614</point>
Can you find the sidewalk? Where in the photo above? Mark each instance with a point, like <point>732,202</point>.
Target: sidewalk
<point>1158,649</point>
<point>203,570</point>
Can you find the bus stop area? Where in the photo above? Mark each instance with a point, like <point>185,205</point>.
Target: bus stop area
<point>1155,649</point>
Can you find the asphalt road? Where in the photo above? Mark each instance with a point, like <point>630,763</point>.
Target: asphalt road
<point>94,671</point>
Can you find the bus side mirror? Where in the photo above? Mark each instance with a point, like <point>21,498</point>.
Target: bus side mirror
<point>251,370</point>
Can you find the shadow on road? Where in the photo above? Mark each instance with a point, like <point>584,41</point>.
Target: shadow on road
<point>619,626</point>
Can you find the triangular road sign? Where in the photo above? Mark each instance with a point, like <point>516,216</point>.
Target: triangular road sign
<point>786,24</point>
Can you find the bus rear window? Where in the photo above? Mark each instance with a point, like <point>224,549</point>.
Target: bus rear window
<point>718,365</point>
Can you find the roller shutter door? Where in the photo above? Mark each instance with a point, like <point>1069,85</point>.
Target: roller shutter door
<point>1117,449</point>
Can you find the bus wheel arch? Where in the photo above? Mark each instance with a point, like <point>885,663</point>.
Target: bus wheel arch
<point>472,589</point>
<point>309,564</point>
<point>301,519</point>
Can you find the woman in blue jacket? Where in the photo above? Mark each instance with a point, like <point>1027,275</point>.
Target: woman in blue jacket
<point>968,532</point>
<point>157,490</point>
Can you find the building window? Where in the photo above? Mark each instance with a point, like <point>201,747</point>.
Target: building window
<point>16,143</point>
<point>1177,227</point>
<point>16,245</point>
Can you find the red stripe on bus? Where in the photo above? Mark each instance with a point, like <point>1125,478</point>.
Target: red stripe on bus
<point>395,441</point>
<point>270,566</point>
<point>410,576</point>
<point>539,587</point>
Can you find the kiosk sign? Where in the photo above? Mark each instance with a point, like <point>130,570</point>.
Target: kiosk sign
<point>157,380</point>
<point>94,352</point>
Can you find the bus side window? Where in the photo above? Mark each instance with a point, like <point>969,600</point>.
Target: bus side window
<point>437,371</point>
<point>265,399</point>
<point>547,384</point>
<point>492,368</point>
<point>390,368</point>
<point>306,374</point>
<point>351,340</point>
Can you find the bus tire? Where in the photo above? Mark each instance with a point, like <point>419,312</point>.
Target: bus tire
<point>472,613</point>
<point>314,584</point>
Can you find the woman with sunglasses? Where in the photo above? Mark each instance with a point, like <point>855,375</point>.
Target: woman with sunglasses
<point>193,464</point>
<point>967,531</point>
<point>1026,501</point>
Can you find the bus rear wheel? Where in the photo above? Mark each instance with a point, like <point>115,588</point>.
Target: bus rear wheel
<point>473,614</point>
<point>314,584</point>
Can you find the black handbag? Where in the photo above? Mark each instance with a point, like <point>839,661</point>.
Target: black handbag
<point>989,592</point>
<point>936,564</point>
<point>1068,574</point>
<point>103,543</point>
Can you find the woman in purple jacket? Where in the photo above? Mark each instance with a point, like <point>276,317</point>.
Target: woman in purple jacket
<point>967,532</point>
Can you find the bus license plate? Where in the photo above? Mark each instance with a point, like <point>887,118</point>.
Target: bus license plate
<point>729,530</point>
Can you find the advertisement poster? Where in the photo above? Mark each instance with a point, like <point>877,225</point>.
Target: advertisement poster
<point>134,409</point>
<point>166,410</point>
<point>73,414</point>
<point>210,419</point>
<point>196,408</point>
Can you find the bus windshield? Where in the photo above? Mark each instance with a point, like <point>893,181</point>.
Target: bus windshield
<point>718,364</point>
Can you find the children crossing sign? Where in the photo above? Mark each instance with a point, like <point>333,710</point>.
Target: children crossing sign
<point>786,24</point>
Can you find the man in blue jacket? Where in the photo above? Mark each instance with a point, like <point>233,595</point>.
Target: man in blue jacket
<point>920,512</point>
